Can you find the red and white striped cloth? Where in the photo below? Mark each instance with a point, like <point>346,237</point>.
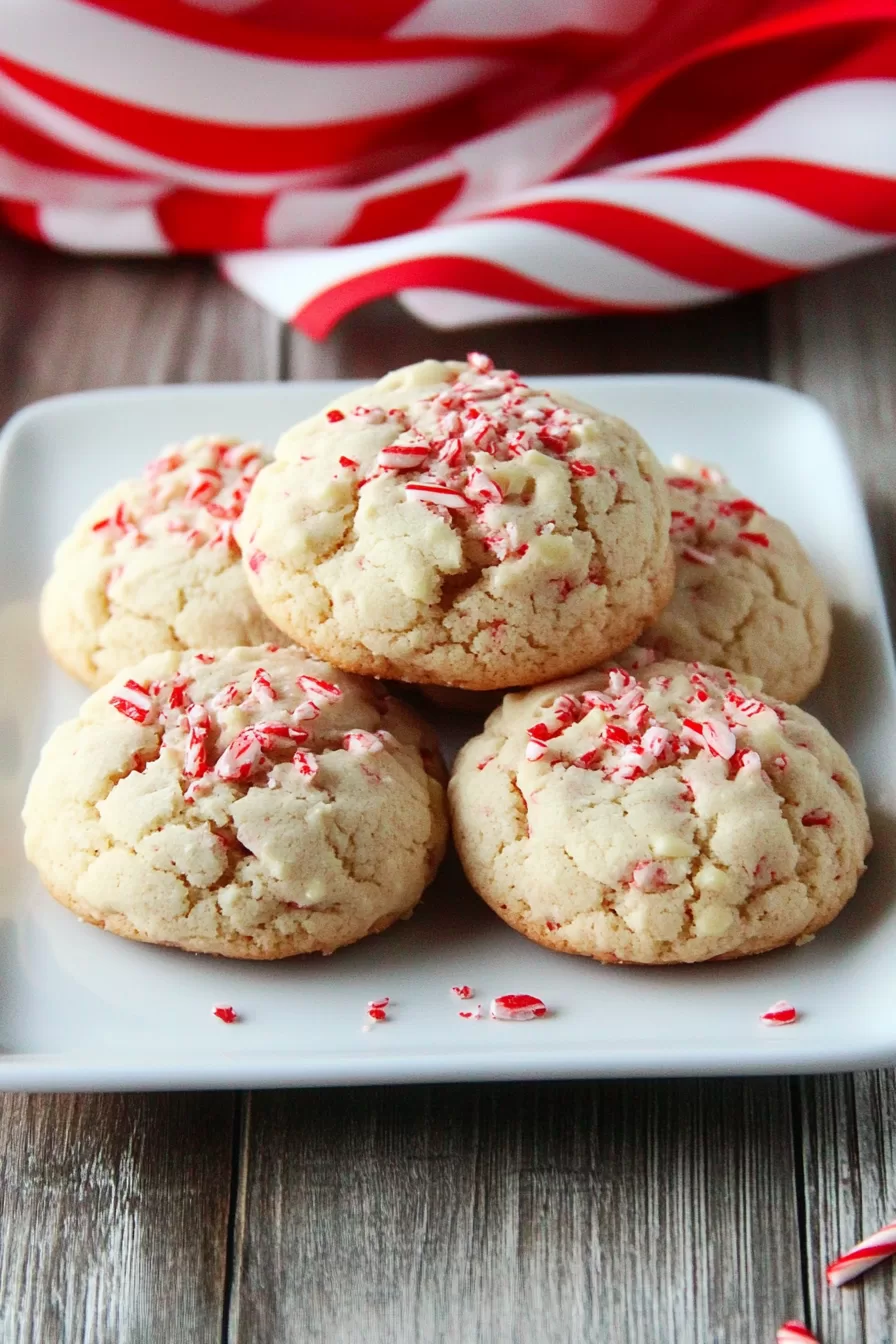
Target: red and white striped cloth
<point>483,158</point>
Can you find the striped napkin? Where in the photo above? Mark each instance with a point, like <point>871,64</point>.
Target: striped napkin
<point>483,159</point>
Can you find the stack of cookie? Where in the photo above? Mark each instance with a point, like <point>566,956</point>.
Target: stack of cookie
<point>449,528</point>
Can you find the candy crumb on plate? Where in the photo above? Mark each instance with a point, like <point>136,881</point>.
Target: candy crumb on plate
<point>376,1009</point>
<point>462,991</point>
<point>225,1013</point>
<point>517,1008</point>
<point>781,1014</point>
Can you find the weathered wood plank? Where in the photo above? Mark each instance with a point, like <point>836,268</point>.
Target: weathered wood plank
<point>114,1209</point>
<point>727,338</point>
<point>114,1217</point>
<point>531,1214</point>
<point>834,336</point>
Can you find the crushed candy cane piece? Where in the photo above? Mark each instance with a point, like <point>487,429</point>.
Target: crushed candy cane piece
<point>262,688</point>
<point>335,415</point>
<point>818,817</point>
<point>306,763</point>
<point>319,692</point>
<point>462,991</point>
<point>360,742</point>
<point>431,492</point>
<point>134,702</point>
<point>517,1008</point>
<point>225,1013</point>
<point>241,758</point>
<point>781,1014</point>
<point>755,538</point>
<point>864,1256</point>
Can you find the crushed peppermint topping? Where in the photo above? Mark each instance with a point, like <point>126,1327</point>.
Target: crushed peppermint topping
<point>134,702</point>
<point>818,817</point>
<point>319,692</point>
<point>517,1008</point>
<point>621,732</point>
<point>376,1009</point>
<point>196,493</point>
<point>462,991</point>
<point>202,732</point>
<point>702,516</point>
<point>485,418</point>
<point>361,743</point>
<point>224,1013</point>
<point>781,1014</point>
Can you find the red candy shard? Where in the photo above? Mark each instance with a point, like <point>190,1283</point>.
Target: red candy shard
<point>431,492</point>
<point>349,463</point>
<point>319,692</point>
<point>334,416</point>
<point>582,468</point>
<point>756,538</point>
<point>818,817</point>
<point>136,704</point>
<point>306,763</point>
<point>224,1013</point>
<point>462,991</point>
<point>262,688</point>
<point>205,657</point>
<point>781,1014</point>
<point>517,1008</point>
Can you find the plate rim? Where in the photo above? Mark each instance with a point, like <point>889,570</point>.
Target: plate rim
<point>108,1071</point>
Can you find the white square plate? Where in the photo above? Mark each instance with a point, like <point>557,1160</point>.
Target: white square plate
<point>82,1010</point>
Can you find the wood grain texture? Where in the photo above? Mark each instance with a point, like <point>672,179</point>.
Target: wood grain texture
<point>114,1215</point>
<point>518,1214</point>
<point>727,338</point>
<point>114,1209</point>
<point>834,336</point>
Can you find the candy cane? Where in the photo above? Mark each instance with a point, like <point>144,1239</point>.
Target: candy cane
<point>862,1257</point>
<point>794,1332</point>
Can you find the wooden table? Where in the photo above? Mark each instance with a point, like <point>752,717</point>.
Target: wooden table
<point>656,1213</point>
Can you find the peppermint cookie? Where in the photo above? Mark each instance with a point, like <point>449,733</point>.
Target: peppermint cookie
<point>253,803</point>
<point>746,595</point>
<point>153,565</point>
<point>669,814</point>
<point>452,525</point>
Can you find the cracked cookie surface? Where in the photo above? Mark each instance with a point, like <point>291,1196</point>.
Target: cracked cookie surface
<point>253,803</point>
<point>452,525</point>
<point>153,565</point>
<point>746,595</point>
<point>666,814</point>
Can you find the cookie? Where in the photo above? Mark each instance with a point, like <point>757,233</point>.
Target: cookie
<point>452,525</point>
<point>253,803</point>
<point>153,565</point>
<point>670,814</point>
<point>746,595</point>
